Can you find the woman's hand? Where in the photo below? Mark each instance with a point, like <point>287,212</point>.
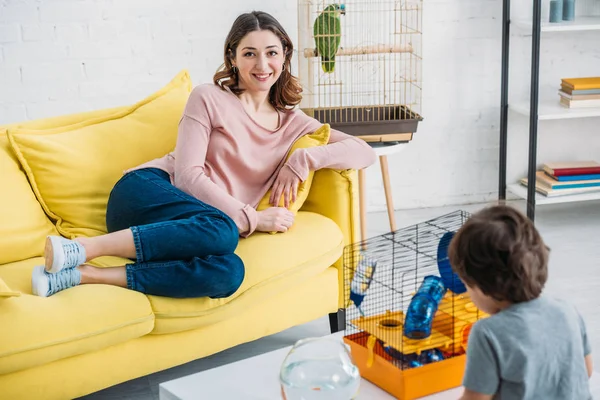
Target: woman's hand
<point>286,184</point>
<point>274,219</point>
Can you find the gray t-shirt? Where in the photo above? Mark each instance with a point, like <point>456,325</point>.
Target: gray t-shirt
<point>531,350</point>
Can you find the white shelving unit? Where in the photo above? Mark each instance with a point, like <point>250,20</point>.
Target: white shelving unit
<point>551,109</point>
<point>521,191</point>
<point>580,24</point>
<point>548,101</point>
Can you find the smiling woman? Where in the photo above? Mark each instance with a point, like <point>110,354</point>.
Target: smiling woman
<point>179,217</point>
<point>258,65</point>
<point>257,57</point>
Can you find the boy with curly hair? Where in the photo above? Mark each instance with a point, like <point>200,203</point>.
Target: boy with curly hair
<point>531,346</point>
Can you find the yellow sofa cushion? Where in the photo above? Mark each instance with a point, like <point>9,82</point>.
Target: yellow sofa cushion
<point>24,225</point>
<point>6,292</point>
<point>73,169</point>
<point>75,321</point>
<point>273,264</point>
<point>319,137</point>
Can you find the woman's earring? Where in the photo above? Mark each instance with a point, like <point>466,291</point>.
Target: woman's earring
<point>283,67</point>
<point>234,69</point>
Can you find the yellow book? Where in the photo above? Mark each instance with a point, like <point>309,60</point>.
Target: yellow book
<point>582,83</point>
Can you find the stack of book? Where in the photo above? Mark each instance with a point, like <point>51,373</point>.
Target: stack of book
<point>580,92</point>
<point>568,178</point>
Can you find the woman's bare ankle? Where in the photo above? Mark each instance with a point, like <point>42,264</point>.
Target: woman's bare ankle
<point>87,273</point>
<point>109,276</point>
<point>88,246</point>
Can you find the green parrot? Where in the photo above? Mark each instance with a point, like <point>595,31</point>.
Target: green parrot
<point>328,34</point>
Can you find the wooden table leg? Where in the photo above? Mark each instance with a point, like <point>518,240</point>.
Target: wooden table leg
<point>362,203</point>
<point>385,174</point>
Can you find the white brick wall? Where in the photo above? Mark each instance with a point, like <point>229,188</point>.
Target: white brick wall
<point>64,56</point>
<point>453,158</point>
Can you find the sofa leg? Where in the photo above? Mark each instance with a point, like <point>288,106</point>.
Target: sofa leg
<point>337,320</point>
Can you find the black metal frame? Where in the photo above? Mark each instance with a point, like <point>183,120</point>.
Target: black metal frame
<point>534,97</point>
<point>504,98</point>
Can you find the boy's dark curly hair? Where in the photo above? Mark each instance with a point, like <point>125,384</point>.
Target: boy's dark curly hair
<point>500,251</point>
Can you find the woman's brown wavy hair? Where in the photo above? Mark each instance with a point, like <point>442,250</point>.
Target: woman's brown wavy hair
<point>500,251</point>
<point>285,93</point>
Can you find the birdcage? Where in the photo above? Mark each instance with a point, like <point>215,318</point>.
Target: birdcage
<point>360,66</point>
<point>408,315</point>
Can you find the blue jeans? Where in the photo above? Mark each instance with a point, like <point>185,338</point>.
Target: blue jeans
<point>184,247</point>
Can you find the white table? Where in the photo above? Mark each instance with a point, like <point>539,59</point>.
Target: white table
<point>257,378</point>
<point>382,150</point>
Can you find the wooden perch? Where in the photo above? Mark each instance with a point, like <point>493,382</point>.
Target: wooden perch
<point>375,49</point>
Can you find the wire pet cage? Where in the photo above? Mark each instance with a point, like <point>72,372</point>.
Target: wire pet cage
<point>408,316</point>
<point>360,66</point>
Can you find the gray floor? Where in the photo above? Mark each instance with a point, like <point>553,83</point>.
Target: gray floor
<point>570,230</point>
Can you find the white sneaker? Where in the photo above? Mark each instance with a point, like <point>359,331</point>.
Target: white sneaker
<point>62,253</point>
<point>44,284</point>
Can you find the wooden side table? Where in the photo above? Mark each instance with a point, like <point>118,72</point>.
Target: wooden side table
<point>382,149</point>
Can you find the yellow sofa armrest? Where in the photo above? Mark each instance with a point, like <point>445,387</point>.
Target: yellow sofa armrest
<point>334,194</point>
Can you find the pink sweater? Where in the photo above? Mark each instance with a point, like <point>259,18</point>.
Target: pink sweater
<point>226,159</point>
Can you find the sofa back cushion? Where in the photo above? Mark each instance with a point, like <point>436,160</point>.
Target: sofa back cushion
<point>24,225</point>
<point>72,169</point>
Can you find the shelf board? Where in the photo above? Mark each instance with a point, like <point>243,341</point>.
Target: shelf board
<point>550,108</point>
<point>521,191</point>
<point>580,24</point>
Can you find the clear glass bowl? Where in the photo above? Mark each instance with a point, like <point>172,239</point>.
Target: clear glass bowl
<point>319,368</point>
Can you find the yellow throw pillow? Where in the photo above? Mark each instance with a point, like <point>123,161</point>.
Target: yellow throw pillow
<point>23,224</point>
<point>5,291</point>
<point>319,137</point>
<point>73,169</point>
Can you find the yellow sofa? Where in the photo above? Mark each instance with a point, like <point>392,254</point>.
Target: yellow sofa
<point>55,176</point>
